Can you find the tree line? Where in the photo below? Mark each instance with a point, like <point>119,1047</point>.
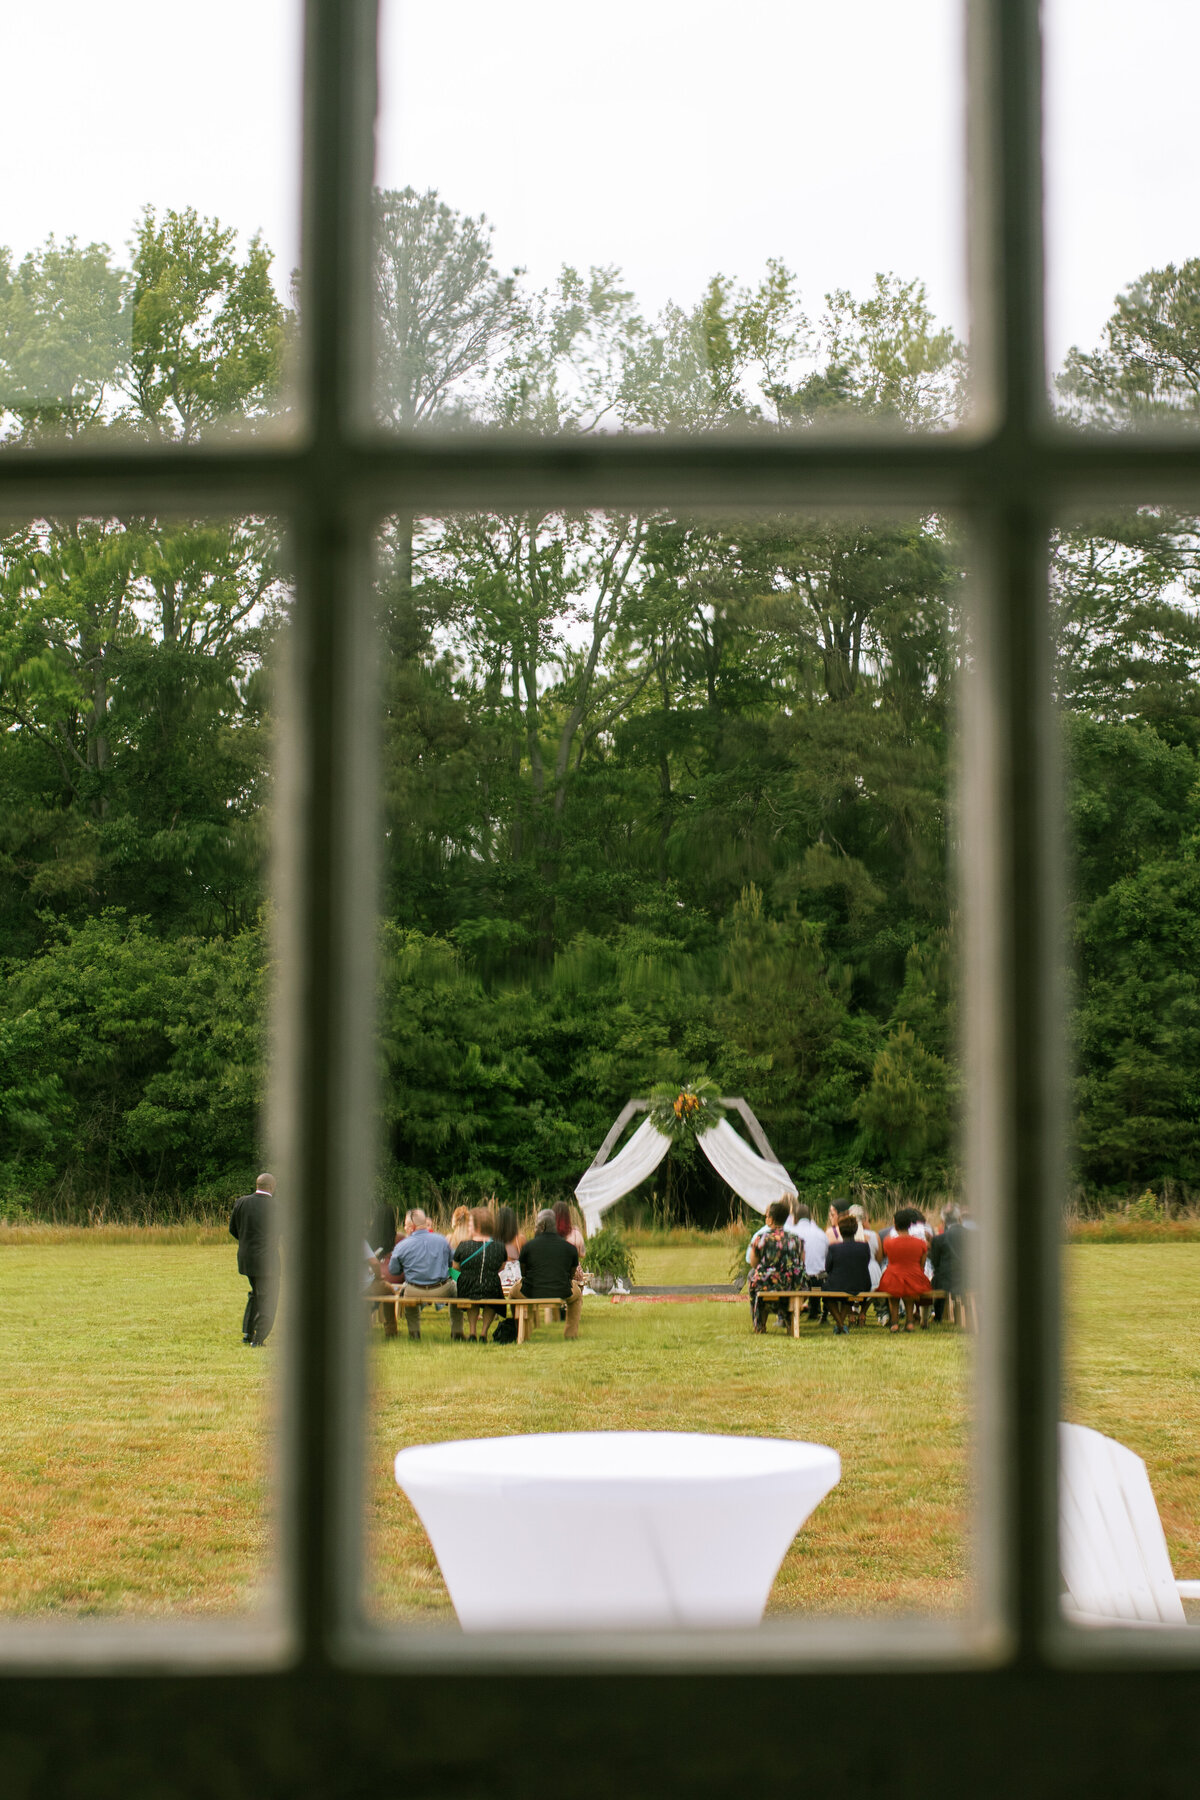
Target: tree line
<point>661,793</point>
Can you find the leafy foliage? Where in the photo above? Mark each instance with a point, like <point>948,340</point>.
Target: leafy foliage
<point>662,792</point>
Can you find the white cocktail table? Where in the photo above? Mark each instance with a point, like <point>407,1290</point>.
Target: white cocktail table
<point>609,1530</point>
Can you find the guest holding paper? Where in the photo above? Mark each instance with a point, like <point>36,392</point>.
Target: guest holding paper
<point>508,1234</point>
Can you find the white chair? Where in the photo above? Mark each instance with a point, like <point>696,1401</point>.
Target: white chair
<point>1115,1563</point>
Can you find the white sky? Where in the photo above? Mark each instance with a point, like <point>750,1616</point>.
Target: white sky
<point>110,104</point>
<point>675,138</point>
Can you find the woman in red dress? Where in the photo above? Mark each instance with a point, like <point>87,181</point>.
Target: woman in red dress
<point>905,1277</point>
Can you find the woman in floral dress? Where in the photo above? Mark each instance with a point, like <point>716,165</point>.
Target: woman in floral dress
<point>776,1265</point>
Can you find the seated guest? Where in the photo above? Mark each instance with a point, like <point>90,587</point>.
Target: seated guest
<point>381,1232</point>
<point>566,1227</point>
<point>905,1277</point>
<point>870,1238</point>
<point>378,1245</point>
<point>776,1264</point>
<point>479,1259</point>
<point>421,1260</point>
<point>816,1247</point>
<point>460,1226</point>
<point>508,1235</point>
<point>847,1271</point>
<point>837,1212</point>
<point>548,1269</point>
<point>946,1257</point>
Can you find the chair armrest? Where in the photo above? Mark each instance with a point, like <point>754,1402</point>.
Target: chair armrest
<point>1188,1590</point>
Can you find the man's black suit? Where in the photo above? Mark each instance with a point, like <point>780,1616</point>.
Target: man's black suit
<point>254,1224</point>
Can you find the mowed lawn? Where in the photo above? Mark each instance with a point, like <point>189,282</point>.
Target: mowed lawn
<point>134,1426</point>
<point>134,1430</point>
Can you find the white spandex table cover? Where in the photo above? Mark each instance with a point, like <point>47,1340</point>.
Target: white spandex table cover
<point>613,1529</point>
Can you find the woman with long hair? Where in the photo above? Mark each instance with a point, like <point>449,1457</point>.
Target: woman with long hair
<point>566,1226</point>
<point>870,1237</point>
<point>479,1259</point>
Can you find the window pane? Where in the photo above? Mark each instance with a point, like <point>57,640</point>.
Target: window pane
<point>667,814</point>
<point>1123,255</point>
<point>1129,655</point>
<point>135,1419</point>
<point>150,231</point>
<point>648,220</point>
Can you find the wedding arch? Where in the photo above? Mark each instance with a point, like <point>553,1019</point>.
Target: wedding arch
<point>757,1176</point>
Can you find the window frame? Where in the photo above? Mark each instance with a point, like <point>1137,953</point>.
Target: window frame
<point>317,1677</point>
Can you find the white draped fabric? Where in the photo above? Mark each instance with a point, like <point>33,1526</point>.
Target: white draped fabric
<point>603,1187</point>
<point>748,1174</point>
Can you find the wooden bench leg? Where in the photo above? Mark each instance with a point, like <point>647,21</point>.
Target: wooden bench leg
<point>522,1323</point>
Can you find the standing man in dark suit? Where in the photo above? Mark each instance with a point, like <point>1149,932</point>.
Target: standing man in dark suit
<point>255,1225</point>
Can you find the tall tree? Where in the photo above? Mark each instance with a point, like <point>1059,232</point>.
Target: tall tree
<point>442,312</point>
<point>65,327</point>
<point>209,330</point>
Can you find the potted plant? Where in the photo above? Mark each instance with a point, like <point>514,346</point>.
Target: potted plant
<point>607,1260</point>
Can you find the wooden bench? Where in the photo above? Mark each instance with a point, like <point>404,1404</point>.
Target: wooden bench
<point>525,1309</point>
<point>799,1299</point>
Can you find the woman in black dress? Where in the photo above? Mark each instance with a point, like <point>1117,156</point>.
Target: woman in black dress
<point>479,1260</point>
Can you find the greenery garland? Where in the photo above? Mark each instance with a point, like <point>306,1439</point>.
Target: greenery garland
<point>688,1111</point>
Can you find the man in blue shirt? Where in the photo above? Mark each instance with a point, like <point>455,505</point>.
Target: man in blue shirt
<point>421,1260</point>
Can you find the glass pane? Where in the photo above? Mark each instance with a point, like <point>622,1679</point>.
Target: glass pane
<point>649,220</point>
<point>1129,656</point>
<point>1123,271</point>
<point>151,219</point>
<point>135,1419</point>
<point>667,821</point>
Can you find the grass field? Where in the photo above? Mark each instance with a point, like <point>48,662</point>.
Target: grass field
<point>134,1425</point>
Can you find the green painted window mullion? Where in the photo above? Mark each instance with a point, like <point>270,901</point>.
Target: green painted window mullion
<point>1024,821</point>
<point>321,826</point>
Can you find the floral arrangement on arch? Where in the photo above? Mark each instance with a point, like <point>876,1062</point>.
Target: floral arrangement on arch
<point>688,1111</point>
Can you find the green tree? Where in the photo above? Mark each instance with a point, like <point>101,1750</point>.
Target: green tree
<point>1146,369</point>
<point>65,327</point>
<point>209,330</point>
